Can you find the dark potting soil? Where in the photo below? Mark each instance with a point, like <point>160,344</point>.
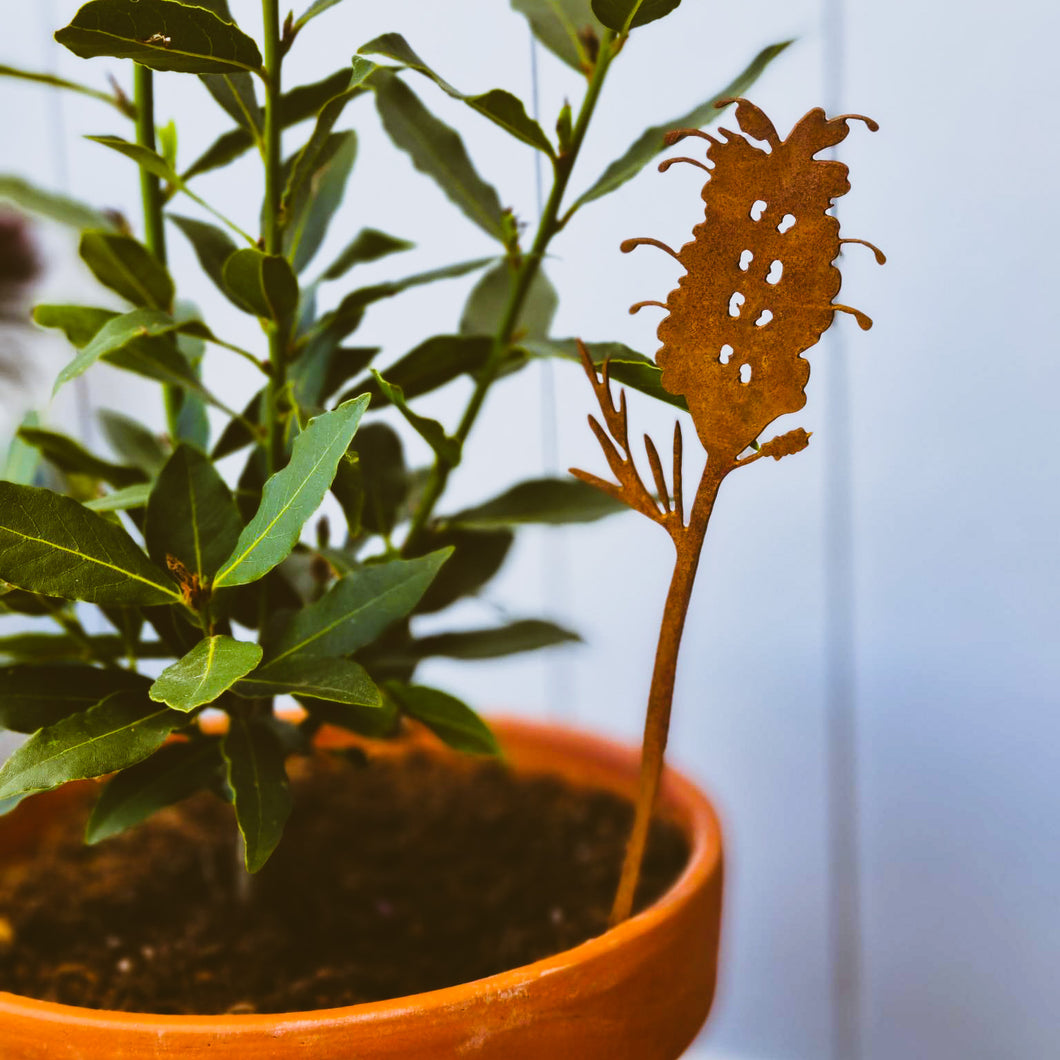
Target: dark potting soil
<point>393,877</point>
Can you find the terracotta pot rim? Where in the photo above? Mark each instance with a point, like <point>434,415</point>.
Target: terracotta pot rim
<point>679,798</point>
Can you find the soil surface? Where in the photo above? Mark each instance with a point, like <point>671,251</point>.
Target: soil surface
<point>393,877</point>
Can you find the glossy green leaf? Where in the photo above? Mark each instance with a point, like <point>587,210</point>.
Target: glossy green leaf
<point>561,26</point>
<point>318,7</point>
<point>623,15</point>
<point>525,635</point>
<point>452,720</point>
<point>32,697</point>
<point>70,456</point>
<point>191,515</point>
<point>172,773</point>
<point>299,103</point>
<point>212,246</point>
<point>262,284</point>
<point>358,608</point>
<point>125,265</point>
<point>113,98</point>
<point>79,323</point>
<point>317,677</point>
<point>119,731</point>
<point>432,364</point>
<point>51,205</point>
<point>627,366</point>
<point>489,298</point>
<point>210,668</point>
<point>437,151</point>
<point>544,500</point>
<point>431,431</point>
<point>167,142</point>
<point>308,160</point>
<point>126,499</point>
<point>236,435</point>
<point>51,544</point>
<point>383,477</point>
<point>161,34</point>
<point>499,106</point>
<point>368,245</point>
<point>477,556</point>
<point>261,793</point>
<point>292,495</point>
<point>133,442</point>
<point>322,370</point>
<point>316,201</point>
<point>651,142</point>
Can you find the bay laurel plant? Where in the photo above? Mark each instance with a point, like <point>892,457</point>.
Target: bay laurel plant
<point>228,594</point>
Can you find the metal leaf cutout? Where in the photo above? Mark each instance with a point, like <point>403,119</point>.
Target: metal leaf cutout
<point>758,291</point>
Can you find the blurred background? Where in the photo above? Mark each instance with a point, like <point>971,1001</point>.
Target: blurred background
<point>868,685</point>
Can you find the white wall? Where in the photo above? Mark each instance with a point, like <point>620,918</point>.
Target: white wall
<point>952,402</point>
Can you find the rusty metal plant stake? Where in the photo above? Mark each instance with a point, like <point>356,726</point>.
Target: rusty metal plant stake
<point>757,292</point>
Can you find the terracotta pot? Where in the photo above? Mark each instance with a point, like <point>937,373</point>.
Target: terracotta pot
<point>639,992</point>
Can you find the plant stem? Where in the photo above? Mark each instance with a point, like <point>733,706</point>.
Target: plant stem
<point>548,226</point>
<point>272,236</point>
<point>152,199</point>
<point>660,699</point>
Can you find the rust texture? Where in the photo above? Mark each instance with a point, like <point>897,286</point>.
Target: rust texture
<point>757,292</point>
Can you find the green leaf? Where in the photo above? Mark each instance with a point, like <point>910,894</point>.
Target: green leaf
<point>377,721</point>
<point>342,320</point>
<point>308,160</point>
<point>51,544</point>
<point>161,34</point>
<point>318,7</point>
<point>300,103</point>
<point>488,302</point>
<point>525,635</point>
<point>447,717</point>
<point>212,247</point>
<point>79,323</point>
<point>627,366</point>
<point>167,142</point>
<point>477,556</point>
<point>70,456</point>
<point>115,99</point>
<point>50,204</point>
<point>381,465</point>
<point>119,731</point>
<point>560,25</point>
<point>317,677</point>
<point>210,668</point>
<point>437,151</point>
<point>126,499</point>
<point>431,431</point>
<point>623,15</point>
<point>22,459</point>
<point>191,515</point>
<point>37,696</point>
<point>262,284</point>
<point>651,142</point>
<point>358,608</point>
<point>261,794</point>
<point>322,370</point>
<point>56,647</point>
<point>430,365</point>
<point>545,500</point>
<point>235,94</point>
<point>172,773</point>
<point>128,267</point>
<point>116,335</point>
<point>315,203</point>
<point>499,106</point>
<point>292,495</point>
<point>368,245</point>
<point>134,442</point>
